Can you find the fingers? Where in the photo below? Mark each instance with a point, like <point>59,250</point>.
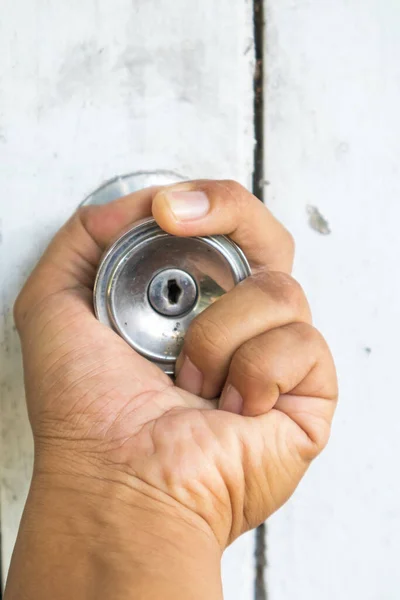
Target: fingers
<point>225,207</point>
<point>262,302</point>
<point>72,257</point>
<point>290,369</point>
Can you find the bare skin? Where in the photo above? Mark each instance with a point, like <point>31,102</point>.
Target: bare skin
<point>140,484</point>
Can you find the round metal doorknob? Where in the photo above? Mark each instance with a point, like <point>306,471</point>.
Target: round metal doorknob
<point>150,285</point>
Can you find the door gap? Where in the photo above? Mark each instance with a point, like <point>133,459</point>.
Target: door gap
<point>260,584</point>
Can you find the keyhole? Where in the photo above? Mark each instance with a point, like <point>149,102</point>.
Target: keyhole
<point>174,291</point>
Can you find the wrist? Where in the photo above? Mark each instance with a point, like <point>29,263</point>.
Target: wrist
<point>105,536</point>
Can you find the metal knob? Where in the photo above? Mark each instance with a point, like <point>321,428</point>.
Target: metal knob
<point>150,285</point>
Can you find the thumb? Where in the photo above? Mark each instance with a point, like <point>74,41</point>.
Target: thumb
<point>205,207</point>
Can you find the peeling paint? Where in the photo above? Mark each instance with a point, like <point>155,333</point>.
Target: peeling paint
<point>317,221</point>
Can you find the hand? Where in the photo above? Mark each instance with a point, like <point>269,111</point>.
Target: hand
<point>101,412</point>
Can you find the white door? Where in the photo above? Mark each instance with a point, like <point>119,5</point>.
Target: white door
<point>89,90</point>
<point>96,88</point>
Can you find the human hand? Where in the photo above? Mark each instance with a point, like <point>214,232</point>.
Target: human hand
<point>101,412</point>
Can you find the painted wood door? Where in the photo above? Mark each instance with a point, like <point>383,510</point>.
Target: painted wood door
<point>332,152</point>
<point>89,90</point>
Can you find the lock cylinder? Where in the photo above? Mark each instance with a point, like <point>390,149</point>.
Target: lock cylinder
<point>150,285</point>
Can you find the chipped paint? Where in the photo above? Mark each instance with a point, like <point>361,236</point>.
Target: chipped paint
<point>317,221</point>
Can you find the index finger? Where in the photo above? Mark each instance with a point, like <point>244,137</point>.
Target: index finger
<point>225,207</point>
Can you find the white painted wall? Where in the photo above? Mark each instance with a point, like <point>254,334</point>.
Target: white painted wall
<point>94,88</point>
<point>333,141</point>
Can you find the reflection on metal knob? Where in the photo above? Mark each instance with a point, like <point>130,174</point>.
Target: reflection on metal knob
<point>150,285</point>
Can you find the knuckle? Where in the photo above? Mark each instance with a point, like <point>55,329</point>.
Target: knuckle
<point>319,433</point>
<point>234,187</point>
<point>207,338</point>
<point>309,335</point>
<point>80,220</point>
<point>284,288</point>
<point>235,193</point>
<point>322,436</point>
<point>289,289</point>
<point>248,362</point>
<point>82,215</point>
<point>80,223</point>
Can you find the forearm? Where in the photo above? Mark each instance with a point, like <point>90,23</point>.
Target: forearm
<point>94,544</point>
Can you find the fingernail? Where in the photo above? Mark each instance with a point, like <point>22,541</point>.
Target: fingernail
<point>231,400</point>
<point>187,206</point>
<point>189,378</point>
